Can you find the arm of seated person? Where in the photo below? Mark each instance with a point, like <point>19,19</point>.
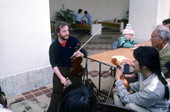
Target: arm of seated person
<point>136,46</point>
<point>128,61</point>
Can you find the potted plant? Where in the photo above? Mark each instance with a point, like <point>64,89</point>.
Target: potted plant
<point>66,15</point>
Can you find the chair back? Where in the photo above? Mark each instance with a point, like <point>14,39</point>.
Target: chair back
<point>114,44</point>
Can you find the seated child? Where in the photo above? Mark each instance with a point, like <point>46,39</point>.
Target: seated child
<point>125,39</point>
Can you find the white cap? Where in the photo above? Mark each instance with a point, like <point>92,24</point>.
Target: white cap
<point>128,29</point>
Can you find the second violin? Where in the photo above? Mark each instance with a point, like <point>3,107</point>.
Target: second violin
<point>114,61</point>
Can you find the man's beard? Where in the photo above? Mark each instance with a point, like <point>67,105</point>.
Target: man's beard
<point>63,37</point>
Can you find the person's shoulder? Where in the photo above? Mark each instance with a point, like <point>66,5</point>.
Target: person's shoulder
<point>54,43</point>
<point>121,37</point>
<point>73,38</point>
<point>166,49</point>
<point>78,14</point>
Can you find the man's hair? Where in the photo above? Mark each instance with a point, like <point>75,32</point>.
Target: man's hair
<point>77,98</point>
<point>85,12</point>
<point>166,21</point>
<point>163,32</point>
<point>149,57</point>
<point>59,25</point>
<point>80,10</point>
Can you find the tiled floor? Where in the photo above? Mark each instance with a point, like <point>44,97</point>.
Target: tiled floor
<point>98,44</point>
<point>43,94</point>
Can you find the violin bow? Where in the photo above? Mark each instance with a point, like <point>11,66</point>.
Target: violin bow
<point>88,40</point>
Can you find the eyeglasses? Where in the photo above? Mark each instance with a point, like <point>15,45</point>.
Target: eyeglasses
<point>154,37</point>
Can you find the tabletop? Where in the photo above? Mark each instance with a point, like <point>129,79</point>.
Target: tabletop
<point>120,54</point>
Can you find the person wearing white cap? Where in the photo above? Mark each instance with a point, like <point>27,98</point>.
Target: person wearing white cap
<point>125,39</point>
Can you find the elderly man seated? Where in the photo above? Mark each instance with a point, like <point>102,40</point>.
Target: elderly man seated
<point>159,39</point>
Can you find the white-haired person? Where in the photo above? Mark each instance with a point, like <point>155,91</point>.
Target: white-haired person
<point>125,40</point>
<point>159,39</point>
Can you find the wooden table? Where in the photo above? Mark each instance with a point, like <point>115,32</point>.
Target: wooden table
<point>105,57</point>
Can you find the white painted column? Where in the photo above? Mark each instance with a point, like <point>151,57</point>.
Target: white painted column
<point>144,15</point>
<point>25,36</point>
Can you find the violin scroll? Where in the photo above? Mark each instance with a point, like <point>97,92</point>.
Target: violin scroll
<point>115,62</point>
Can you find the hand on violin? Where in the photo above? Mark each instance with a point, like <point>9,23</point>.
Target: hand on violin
<point>78,54</point>
<point>119,73</point>
<point>115,89</point>
<point>64,81</point>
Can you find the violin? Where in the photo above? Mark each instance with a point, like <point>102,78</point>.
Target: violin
<point>125,82</point>
<point>76,68</point>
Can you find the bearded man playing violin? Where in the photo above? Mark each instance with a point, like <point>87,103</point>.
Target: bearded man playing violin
<point>60,53</point>
<point>150,93</point>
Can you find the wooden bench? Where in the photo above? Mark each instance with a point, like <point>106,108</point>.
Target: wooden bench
<point>110,24</point>
<point>81,26</point>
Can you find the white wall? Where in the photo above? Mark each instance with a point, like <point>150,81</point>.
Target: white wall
<point>163,10</point>
<point>24,35</point>
<point>142,16</point>
<point>99,9</point>
<point>145,15</point>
